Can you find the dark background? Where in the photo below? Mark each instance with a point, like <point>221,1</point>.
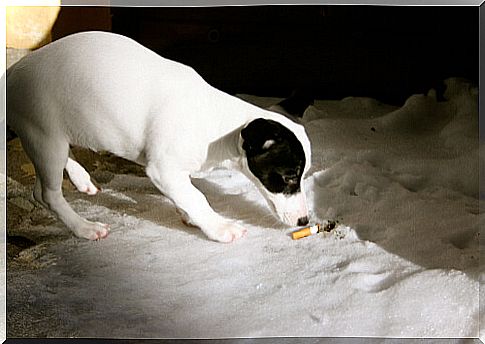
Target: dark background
<point>385,52</point>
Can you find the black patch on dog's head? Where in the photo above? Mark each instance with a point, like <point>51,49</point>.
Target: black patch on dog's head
<point>275,156</point>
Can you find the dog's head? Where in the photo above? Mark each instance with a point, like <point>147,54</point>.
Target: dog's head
<point>276,162</point>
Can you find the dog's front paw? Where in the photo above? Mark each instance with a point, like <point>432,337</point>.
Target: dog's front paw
<point>92,230</point>
<point>226,232</point>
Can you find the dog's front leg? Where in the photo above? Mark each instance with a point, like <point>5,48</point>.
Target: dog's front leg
<point>190,201</point>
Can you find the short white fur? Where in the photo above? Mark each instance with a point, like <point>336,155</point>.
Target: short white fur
<point>108,93</point>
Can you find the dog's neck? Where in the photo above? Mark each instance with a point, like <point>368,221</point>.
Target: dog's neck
<point>225,152</point>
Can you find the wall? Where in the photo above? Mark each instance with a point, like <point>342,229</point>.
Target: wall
<point>385,52</point>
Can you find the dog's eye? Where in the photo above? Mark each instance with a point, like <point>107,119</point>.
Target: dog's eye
<point>290,180</point>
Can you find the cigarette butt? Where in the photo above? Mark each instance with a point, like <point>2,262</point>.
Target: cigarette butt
<point>304,232</point>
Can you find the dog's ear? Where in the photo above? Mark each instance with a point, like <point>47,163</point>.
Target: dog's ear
<point>259,135</point>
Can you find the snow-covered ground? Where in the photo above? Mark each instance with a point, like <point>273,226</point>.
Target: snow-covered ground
<point>402,262</point>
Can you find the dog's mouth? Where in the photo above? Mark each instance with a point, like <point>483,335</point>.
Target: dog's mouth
<point>291,210</point>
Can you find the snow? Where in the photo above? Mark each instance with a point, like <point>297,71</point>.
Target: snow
<point>402,182</point>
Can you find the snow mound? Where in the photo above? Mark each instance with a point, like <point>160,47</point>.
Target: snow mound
<point>402,182</point>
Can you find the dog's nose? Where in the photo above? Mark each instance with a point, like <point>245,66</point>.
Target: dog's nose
<point>302,221</point>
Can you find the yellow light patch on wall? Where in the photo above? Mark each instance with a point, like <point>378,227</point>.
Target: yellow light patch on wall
<point>29,27</point>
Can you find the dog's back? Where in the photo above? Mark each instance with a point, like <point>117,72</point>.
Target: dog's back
<point>80,84</point>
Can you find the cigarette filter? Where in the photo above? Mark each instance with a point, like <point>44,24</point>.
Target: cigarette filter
<point>304,232</point>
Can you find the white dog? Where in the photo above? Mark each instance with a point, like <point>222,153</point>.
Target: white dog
<point>108,93</point>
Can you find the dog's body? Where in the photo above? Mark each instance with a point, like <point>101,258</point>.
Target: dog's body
<point>108,93</point>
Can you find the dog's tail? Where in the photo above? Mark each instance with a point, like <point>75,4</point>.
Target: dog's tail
<point>296,104</point>
<point>9,133</point>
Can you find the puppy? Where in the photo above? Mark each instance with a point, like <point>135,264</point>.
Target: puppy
<point>106,92</point>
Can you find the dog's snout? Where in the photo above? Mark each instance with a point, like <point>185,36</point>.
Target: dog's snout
<point>302,221</point>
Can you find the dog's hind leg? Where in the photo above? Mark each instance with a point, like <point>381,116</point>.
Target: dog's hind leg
<point>193,204</point>
<point>49,155</point>
<point>79,177</point>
